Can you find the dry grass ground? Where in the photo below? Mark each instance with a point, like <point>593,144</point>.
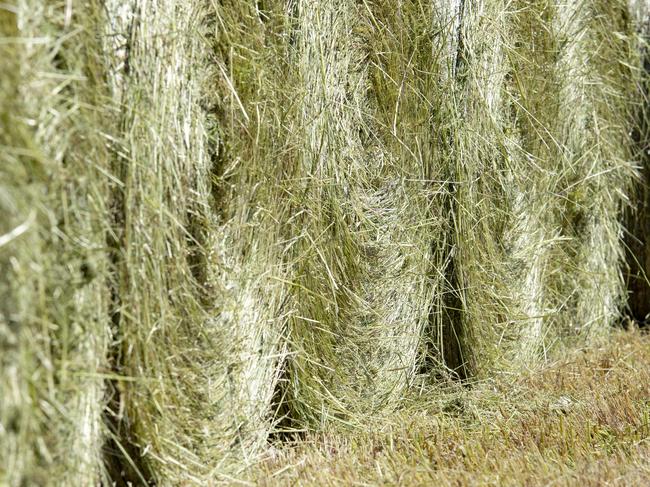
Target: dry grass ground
<point>583,419</point>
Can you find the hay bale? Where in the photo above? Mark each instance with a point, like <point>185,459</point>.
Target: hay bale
<point>595,168</point>
<point>363,233</point>
<point>412,53</point>
<point>54,324</point>
<point>198,248</point>
<point>544,168</point>
<point>499,249</point>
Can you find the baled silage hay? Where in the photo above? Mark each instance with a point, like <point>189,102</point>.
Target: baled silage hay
<point>595,69</point>
<point>363,228</point>
<point>54,298</point>
<point>499,248</point>
<point>200,286</point>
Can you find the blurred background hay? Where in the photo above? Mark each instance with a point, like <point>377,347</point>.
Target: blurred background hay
<point>54,323</point>
<point>597,72</point>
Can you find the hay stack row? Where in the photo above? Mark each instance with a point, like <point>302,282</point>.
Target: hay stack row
<point>223,220</point>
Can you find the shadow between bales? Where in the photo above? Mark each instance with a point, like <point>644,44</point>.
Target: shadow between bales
<point>637,217</point>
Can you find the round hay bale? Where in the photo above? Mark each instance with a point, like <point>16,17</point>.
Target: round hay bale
<point>498,210</point>
<point>595,171</point>
<point>637,218</point>
<point>200,293</point>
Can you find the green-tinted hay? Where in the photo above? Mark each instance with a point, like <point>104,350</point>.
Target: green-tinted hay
<point>412,62</point>
<point>195,196</point>
<point>499,232</point>
<point>638,216</point>
<point>596,59</point>
<point>54,325</point>
<point>364,228</point>
<point>250,192</point>
<point>544,94</point>
<point>200,281</point>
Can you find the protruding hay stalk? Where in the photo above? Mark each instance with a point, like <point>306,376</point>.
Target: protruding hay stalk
<point>363,227</point>
<point>54,324</point>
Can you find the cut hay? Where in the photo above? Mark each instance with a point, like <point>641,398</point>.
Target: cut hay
<point>219,217</point>
<point>637,218</point>
<point>364,227</point>
<point>54,324</point>
<point>200,278</point>
<point>499,238</point>
<point>543,164</point>
<point>596,59</point>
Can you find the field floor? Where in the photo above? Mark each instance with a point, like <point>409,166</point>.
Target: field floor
<point>582,420</point>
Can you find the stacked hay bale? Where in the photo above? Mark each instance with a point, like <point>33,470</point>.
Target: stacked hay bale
<point>412,52</point>
<point>532,86</point>
<point>364,227</point>
<point>200,290</point>
<point>595,169</point>
<point>498,213</point>
<point>54,297</point>
<point>192,192</point>
<point>543,162</point>
<point>252,176</point>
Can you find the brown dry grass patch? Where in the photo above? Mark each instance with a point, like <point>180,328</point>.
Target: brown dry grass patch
<point>584,419</point>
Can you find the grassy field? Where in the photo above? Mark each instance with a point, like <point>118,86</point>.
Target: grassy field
<point>580,420</point>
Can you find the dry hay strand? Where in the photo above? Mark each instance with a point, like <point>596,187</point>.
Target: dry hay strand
<point>595,68</point>
<point>54,299</point>
<point>363,227</point>
<point>200,277</point>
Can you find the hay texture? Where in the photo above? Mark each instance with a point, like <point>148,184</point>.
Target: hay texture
<point>54,297</point>
<point>222,216</point>
<point>543,165</point>
<point>363,230</point>
<point>499,234</point>
<point>200,281</point>
<point>597,94</point>
<point>638,216</point>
